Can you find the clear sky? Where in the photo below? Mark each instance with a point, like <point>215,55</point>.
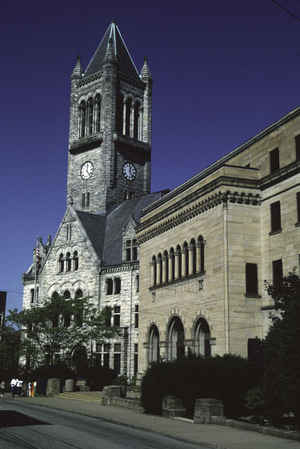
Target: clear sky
<point>222,71</point>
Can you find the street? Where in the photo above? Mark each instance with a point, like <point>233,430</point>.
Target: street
<point>34,427</point>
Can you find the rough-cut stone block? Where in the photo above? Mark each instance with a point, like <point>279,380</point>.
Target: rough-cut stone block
<point>53,387</point>
<point>207,409</point>
<point>69,385</point>
<point>173,406</point>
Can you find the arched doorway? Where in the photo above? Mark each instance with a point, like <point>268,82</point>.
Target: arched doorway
<point>202,338</point>
<point>80,358</point>
<point>175,339</point>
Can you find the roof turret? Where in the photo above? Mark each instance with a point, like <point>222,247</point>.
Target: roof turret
<point>77,71</point>
<point>145,72</point>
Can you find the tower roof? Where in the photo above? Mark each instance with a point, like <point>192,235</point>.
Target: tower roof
<point>125,61</point>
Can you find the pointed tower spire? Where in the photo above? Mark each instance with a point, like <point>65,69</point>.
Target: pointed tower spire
<point>77,69</point>
<point>145,72</point>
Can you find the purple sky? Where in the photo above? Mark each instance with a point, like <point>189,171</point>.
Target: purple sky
<point>222,71</point>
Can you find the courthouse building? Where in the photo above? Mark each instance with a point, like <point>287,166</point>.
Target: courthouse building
<point>94,253</point>
<point>207,247</point>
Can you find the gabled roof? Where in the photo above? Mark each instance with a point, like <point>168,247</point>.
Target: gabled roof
<point>125,61</point>
<point>94,226</point>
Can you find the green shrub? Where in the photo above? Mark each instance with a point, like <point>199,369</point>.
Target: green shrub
<point>98,376</point>
<point>227,378</point>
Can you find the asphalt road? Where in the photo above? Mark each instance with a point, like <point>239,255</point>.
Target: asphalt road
<point>33,427</point>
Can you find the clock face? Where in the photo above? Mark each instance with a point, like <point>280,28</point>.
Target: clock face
<point>129,171</point>
<point>87,169</point>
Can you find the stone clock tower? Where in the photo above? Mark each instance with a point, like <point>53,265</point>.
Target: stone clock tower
<point>109,157</point>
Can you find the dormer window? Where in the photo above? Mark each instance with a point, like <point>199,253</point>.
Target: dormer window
<point>131,250</point>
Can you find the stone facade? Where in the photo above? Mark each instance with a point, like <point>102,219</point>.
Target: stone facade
<point>94,253</point>
<point>207,247</point>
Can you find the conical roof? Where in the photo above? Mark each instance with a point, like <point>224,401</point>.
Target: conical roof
<point>125,61</point>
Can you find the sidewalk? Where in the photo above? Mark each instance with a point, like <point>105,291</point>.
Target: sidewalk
<point>213,436</point>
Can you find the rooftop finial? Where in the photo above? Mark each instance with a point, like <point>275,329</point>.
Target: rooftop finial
<point>77,69</point>
<point>145,72</point>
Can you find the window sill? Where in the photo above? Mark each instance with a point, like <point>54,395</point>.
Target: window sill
<point>177,281</point>
<point>252,295</point>
<point>277,231</point>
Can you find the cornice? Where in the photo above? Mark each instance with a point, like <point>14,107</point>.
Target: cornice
<point>89,79</point>
<point>204,205</point>
<point>127,266</point>
<point>221,162</point>
<point>227,181</point>
<point>86,143</point>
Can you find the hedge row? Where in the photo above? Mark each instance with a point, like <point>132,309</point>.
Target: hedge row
<point>227,378</point>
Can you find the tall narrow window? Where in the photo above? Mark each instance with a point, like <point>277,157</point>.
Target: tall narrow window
<point>68,262</point>
<point>32,295</point>
<point>117,316</point>
<point>131,250</point>
<point>117,357</point>
<point>82,118</point>
<point>90,116</point>
<point>134,250</point>
<point>251,279</point>
<point>136,120</point>
<point>117,282</point>
<point>136,316</point>
<point>200,248</point>
<point>109,286</point>
<point>61,263</point>
<point>159,265</point>
<point>128,114</point>
<point>136,358</point>
<point>75,260</point>
<point>298,206</point>
<point>277,273</point>
<point>193,256</point>
<point>186,259</point>
<point>137,283</point>
<point>179,262</point>
<point>166,266</point>
<point>98,112</point>
<point>274,160</point>
<point>172,262</point>
<point>154,268</point>
<point>275,216</point>
<point>297,143</point>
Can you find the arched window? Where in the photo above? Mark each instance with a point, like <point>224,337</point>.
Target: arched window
<point>82,119</point>
<point>98,112</point>
<point>202,338</point>
<point>78,294</point>
<point>120,112</point>
<point>200,247</point>
<point>154,272</point>
<point>179,262</point>
<point>159,265</point>
<point>193,256</point>
<point>61,263</point>
<point>90,116</point>
<point>186,258</point>
<point>75,260</point>
<point>153,344</point>
<point>137,283</point>
<point>166,266</point>
<point>68,262</point>
<point>176,339</point>
<point>67,294</point>
<point>55,295</point>
<point>127,116</point>
<point>172,262</point>
<point>136,120</point>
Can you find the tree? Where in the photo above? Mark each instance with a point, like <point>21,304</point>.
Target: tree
<point>9,350</point>
<point>281,350</point>
<point>52,330</point>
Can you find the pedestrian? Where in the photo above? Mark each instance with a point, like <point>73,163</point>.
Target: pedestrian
<point>2,389</point>
<point>13,386</point>
<point>29,388</point>
<point>19,386</point>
